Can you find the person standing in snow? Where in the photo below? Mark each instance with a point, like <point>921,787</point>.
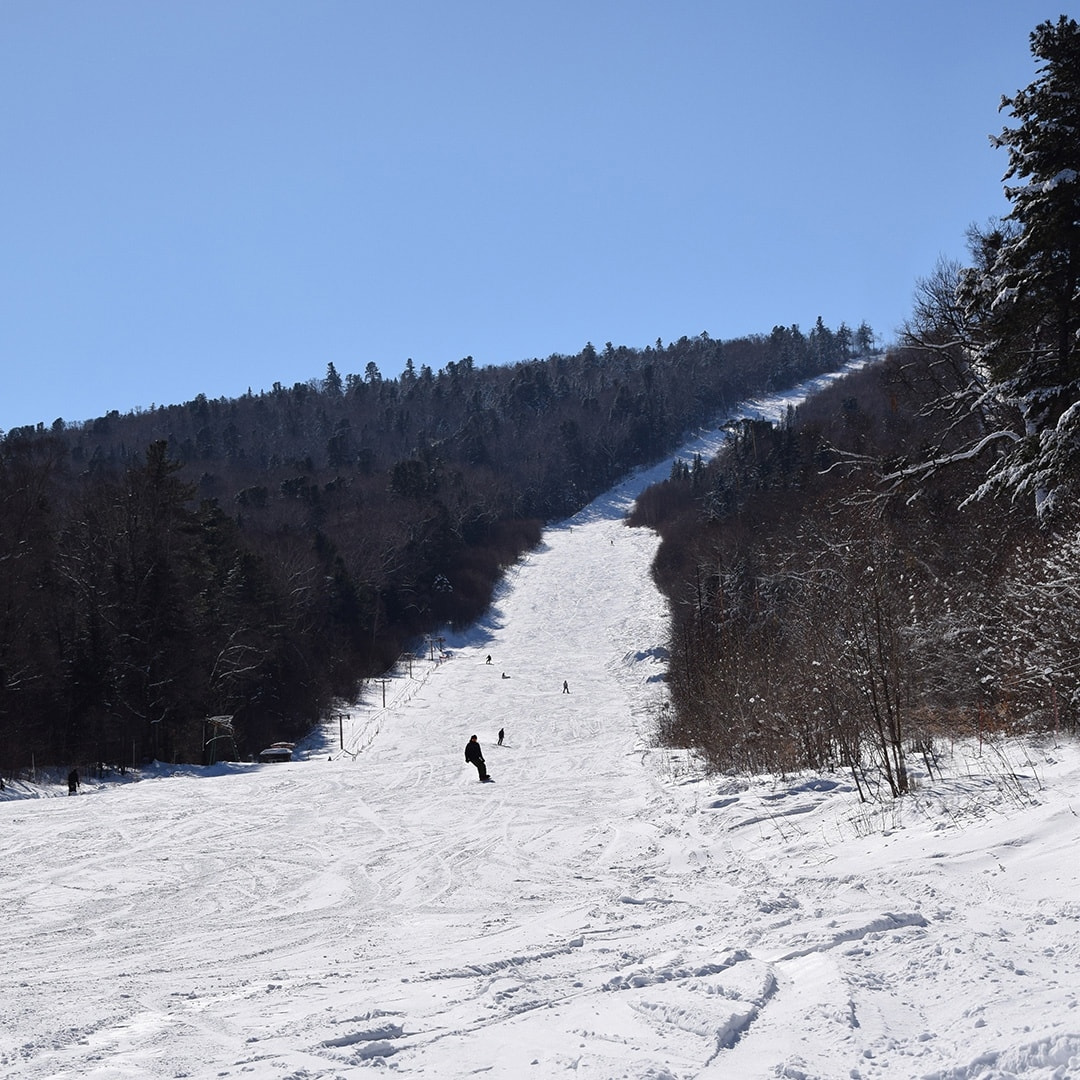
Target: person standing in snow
<point>73,782</point>
<point>500,736</point>
<point>475,756</point>
<point>565,687</point>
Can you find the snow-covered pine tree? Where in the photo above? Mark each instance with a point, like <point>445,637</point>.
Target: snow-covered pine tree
<point>1023,294</point>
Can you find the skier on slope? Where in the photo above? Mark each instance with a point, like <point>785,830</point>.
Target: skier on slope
<point>475,755</point>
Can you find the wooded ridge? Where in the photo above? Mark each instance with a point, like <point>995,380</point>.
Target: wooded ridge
<point>260,557</point>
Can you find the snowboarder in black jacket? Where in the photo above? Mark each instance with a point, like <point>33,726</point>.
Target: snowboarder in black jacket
<point>474,754</point>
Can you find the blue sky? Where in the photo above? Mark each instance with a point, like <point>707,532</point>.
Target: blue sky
<point>202,196</point>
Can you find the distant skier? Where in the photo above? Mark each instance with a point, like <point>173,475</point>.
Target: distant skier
<point>73,782</point>
<point>565,687</point>
<point>489,658</point>
<point>500,736</point>
<point>475,755</point>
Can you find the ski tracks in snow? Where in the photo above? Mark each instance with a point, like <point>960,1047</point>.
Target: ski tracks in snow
<point>602,909</point>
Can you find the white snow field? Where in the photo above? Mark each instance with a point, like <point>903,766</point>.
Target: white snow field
<point>602,910</point>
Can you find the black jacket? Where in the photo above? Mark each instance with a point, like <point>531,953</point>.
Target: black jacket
<point>473,754</point>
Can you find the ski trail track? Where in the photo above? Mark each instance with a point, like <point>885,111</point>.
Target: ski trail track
<point>601,910</point>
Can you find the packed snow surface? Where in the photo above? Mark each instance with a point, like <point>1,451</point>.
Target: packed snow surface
<point>603,909</point>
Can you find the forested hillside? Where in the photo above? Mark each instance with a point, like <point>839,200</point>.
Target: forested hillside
<point>257,558</point>
<point>824,618</point>
<point>897,563</point>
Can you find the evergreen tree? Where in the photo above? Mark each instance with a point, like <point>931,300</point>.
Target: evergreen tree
<point>1023,294</point>
<point>332,384</point>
